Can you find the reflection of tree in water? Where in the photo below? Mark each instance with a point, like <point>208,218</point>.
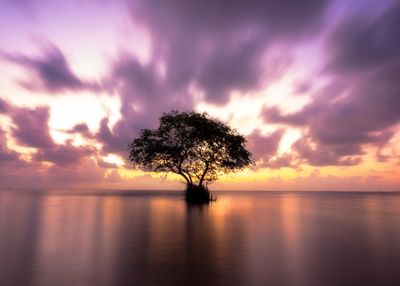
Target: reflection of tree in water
<point>178,245</point>
<point>214,255</point>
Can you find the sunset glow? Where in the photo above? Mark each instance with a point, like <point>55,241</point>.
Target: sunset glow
<point>317,95</point>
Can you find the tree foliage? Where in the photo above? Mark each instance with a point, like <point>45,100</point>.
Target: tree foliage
<point>192,145</point>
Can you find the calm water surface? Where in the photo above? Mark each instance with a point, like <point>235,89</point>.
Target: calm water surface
<point>122,238</point>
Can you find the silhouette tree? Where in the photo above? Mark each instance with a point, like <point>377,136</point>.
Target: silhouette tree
<point>193,146</point>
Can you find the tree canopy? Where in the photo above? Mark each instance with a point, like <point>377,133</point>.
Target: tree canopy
<point>191,145</point>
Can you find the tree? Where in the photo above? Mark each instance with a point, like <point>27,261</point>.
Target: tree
<point>193,146</point>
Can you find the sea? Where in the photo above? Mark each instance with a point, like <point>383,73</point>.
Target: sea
<point>57,238</point>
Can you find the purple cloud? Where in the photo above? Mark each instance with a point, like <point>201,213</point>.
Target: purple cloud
<point>144,95</point>
<point>214,52</point>
<point>4,107</point>
<point>274,115</point>
<point>265,147</point>
<point>262,146</point>
<point>63,155</point>
<point>106,165</point>
<point>31,127</point>
<point>237,66</point>
<point>6,155</point>
<point>363,45</point>
<point>81,128</point>
<point>339,129</point>
<point>322,155</point>
<point>219,45</point>
<point>51,70</point>
<point>362,104</point>
<point>113,143</point>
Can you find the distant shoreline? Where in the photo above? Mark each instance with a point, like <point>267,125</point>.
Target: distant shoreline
<point>179,192</point>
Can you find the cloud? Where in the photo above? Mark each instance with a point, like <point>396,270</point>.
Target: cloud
<point>83,130</point>
<point>361,105</point>
<point>71,166</point>
<point>264,145</point>
<point>285,17</point>
<point>34,175</point>
<point>195,50</point>
<point>86,172</point>
<point>4,107</point>
<point>63,155</point>
<point>322,155</point>
<point>113,143</point>
<point>7,156</point>
<point>31,127</point>
<point>49,72</point>
<point>363,44</point>
<point>236,66</point>
<point>106,165</point>
<point>274,115</point>
<point>336,129</point>
<point>144,95</point>
<point>264,149</point>
<point>219,46</point>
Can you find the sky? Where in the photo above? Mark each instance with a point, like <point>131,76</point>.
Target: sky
<point>313,85</point>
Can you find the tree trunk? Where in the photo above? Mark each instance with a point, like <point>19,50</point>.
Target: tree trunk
<point>197,194</point>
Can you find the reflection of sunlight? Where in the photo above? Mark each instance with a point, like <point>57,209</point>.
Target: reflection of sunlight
<point>222,215</point>
<point>223,207</point>
<point>290,213</point>
<point>291,232</point>
<point>111,207</point>
<point>59,232</point>
<point>373,222</point>
<point>165,214</point>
